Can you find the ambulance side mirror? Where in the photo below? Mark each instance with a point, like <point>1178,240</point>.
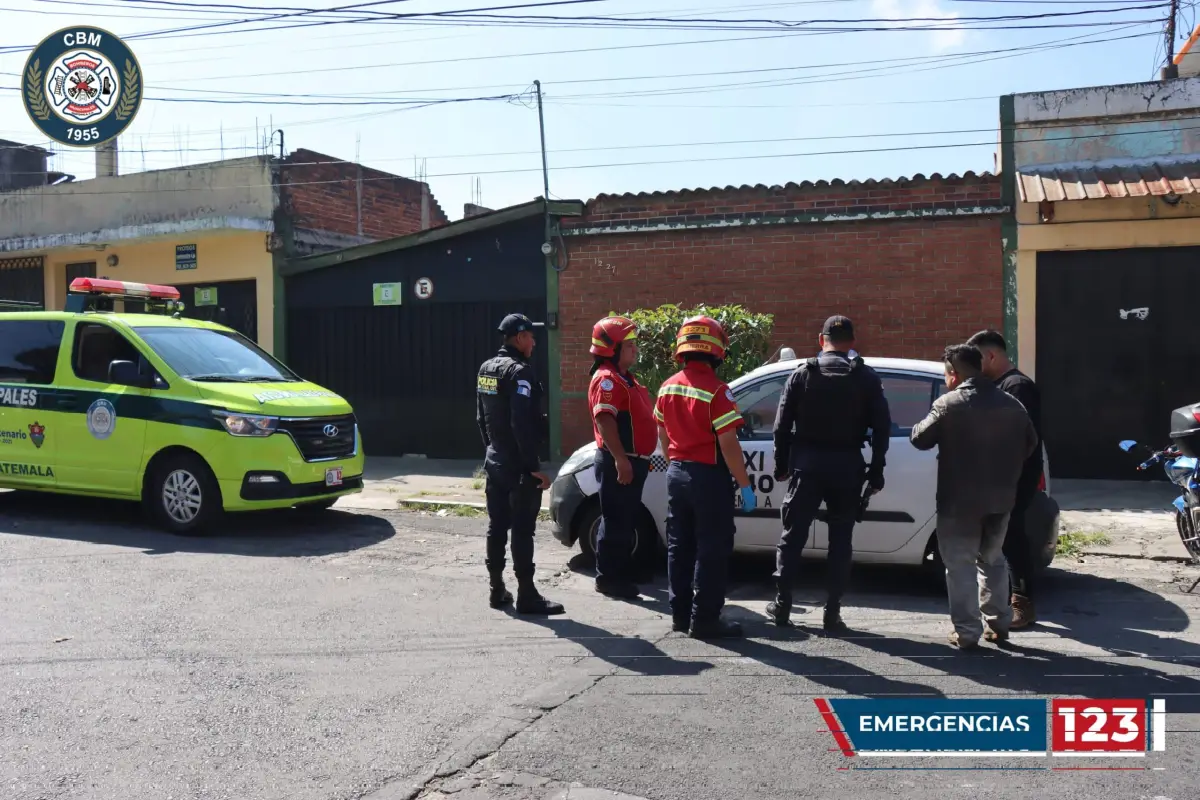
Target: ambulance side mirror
<point>126,373</point>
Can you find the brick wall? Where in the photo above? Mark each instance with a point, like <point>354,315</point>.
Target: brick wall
<point>916,263</point>
<point>321,194</point>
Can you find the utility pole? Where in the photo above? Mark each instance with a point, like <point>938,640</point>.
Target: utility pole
<point>1171,70</point>
<point>554,379</point>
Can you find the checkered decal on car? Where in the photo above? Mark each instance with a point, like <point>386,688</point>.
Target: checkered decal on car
<point>658,463</point>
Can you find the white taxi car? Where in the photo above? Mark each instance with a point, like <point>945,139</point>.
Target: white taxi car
<point>899,526</point>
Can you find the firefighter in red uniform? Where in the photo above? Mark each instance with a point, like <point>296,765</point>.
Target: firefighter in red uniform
<point>626,435</point>
<point>698,421</point>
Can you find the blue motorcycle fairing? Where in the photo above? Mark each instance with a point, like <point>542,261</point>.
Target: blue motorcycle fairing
<point>1180,504</point>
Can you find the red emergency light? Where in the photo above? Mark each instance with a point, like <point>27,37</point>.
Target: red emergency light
<point>123,288</point>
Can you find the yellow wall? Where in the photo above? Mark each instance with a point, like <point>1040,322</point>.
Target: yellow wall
<point>219,257</point>
<point>1110,224</point>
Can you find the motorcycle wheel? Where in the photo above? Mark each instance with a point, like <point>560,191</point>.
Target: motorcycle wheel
<point>1187,534</point>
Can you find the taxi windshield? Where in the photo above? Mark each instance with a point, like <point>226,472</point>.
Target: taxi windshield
<point>202,354</point>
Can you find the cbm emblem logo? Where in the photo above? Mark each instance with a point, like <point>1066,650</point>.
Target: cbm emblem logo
<point>82,86</point>
<point>37,434</point>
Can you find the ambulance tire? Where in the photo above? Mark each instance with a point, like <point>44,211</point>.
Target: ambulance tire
<point>187,474</point>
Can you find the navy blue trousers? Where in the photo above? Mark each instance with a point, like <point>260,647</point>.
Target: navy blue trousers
<point>619,507</point>
<point>835,477</point>
<point>699,538</point>
<point>513,503</point>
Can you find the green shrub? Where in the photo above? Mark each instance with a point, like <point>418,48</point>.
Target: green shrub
<point>749,340</point>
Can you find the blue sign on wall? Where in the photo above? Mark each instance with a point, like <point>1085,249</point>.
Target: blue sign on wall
<point>943,725</point>
<point>185,256</point>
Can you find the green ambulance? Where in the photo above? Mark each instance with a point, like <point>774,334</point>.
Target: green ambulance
<point>188,417</point>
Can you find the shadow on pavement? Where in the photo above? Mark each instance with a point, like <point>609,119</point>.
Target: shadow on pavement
<point>286,533</point>
<point>627,652</point>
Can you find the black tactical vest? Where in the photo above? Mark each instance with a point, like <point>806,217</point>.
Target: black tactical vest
<point>496,384</point>
<point>833,413</point>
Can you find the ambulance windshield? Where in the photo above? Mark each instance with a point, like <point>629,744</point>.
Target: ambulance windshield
<point>201,354</point>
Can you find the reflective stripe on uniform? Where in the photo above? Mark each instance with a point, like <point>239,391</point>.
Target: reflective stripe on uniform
<point>596,409</point>
<point>725,419</point>
<point>686,391</point>
<point>658,414</point>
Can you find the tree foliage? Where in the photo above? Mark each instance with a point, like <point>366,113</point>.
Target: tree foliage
<point>749,340</point>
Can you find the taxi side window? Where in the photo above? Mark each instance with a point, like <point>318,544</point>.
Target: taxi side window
<point>909,399</point>
<point>97,346</point>
<point>759,405</point>
<point>29,350</point>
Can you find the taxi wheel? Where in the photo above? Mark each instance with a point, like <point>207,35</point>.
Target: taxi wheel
<point>183,494</point>
<point>588,529</point>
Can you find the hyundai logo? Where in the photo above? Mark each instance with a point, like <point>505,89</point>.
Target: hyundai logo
<point>331,431</point>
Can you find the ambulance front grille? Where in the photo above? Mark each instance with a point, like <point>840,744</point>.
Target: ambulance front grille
<point>314,441</point>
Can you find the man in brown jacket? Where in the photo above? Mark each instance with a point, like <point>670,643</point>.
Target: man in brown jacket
<point>983,436</point>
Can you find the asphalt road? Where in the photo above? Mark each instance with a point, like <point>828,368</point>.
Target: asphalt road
<point>337,655</point>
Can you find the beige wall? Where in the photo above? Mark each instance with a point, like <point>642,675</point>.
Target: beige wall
<point>1092,225</point>
<point>219,257</point>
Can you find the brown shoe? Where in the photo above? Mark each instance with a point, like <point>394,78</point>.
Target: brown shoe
<point>1023,612</point>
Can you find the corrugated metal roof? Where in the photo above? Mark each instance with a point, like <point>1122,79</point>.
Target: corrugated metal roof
<point>1095,181</point>
<point>837,183</point>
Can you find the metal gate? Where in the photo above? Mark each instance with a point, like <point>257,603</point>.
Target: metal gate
<point>409,369</point>
<point>1116,351</point>
<point>233,304</point>
<point>23,280</point>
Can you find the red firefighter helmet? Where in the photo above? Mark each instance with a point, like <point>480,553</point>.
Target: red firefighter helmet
<point>701,335</point>
<point>610,332</point>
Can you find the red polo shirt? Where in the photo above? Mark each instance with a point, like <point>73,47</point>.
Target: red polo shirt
<point>629,402</point>
<point>695,406</point>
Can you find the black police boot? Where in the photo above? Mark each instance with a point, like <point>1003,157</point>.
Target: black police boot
<point>619,589</point>
<point>780,609</point>
<point>530,601</point>
<point>833,619</point>
<point>501,596</point>
<point>715,629</point>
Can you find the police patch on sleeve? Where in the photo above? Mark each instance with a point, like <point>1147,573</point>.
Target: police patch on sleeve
<point>523,388</point>
<point>606,384</point>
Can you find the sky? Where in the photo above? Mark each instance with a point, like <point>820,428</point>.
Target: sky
<point>739,94</point>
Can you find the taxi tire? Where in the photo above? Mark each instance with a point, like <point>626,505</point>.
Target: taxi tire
<point>210,493</point>
<point>587,526</point>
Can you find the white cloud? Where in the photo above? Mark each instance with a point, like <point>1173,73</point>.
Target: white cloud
<point>907,9</point>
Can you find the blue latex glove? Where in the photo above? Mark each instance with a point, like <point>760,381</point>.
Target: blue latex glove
<point>749,499</point>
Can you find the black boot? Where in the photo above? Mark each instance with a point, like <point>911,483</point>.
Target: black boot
<point>530,601</point>
<point>780,609</point>
<point>715,629</point>
<point>619,589</point>
<point>501,596</point>
<point>833,619</point>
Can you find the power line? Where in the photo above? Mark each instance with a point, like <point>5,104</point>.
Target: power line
<point>657,162</point>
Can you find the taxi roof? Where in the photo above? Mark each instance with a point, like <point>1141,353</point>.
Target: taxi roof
<point>933,368</point>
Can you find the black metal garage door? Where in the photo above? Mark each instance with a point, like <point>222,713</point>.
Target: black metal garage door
<point>22,280</point>
<point>1117,349</point>
<point>409,370</point>
<point>233,304</point>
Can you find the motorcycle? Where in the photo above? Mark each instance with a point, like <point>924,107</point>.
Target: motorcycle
<point>1183,471</point>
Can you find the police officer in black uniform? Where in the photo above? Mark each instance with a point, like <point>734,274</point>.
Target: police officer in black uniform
<point>826,407</point>
<point>510,417</point>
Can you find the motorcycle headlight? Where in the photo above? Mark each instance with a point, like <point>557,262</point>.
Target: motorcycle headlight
<point>580,460</point>
<point>246,424</point>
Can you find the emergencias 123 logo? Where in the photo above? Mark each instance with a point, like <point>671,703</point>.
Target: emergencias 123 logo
<point>82,86</point>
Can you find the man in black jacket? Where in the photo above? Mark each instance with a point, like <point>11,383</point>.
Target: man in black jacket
<point>509,414</point>
<point>825,410</point>
<point>999,369</point>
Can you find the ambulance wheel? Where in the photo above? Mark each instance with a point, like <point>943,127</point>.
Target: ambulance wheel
<point>588,529</point>
<point>182,494</point>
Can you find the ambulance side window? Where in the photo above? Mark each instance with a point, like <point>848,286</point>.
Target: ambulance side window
<point>29,350</point>
<point>97,346</point>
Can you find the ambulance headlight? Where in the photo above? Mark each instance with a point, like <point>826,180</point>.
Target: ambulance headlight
<point>246,424</point>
